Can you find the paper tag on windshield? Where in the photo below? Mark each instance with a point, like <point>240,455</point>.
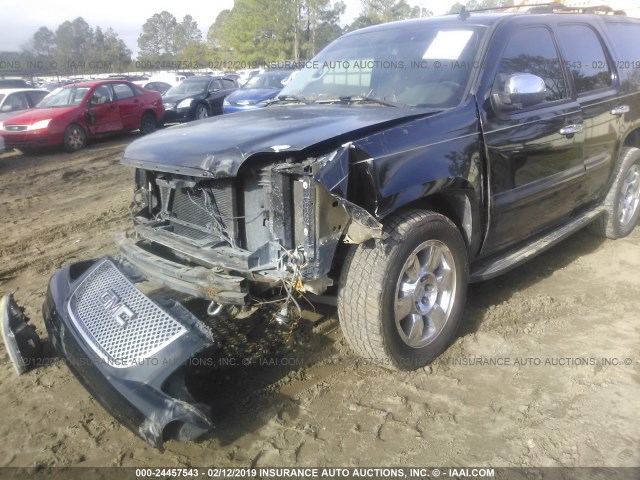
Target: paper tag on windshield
<point>448,45</point>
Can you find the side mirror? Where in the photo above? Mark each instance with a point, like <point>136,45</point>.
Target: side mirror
<point>522,90</point>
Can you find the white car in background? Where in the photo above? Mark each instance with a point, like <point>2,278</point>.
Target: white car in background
<point>13,100</point>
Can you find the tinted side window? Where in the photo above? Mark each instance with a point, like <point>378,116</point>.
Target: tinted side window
<point>215,85</point>
<point>123,91</point>
<point>585,58</point>
<point>228,84</point>
<point>532,50</point>
<point>626,41</point>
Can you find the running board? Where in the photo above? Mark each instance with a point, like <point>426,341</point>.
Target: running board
<point>502,264</point>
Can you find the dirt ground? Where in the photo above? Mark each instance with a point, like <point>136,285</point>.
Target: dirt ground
<point>546,371</point>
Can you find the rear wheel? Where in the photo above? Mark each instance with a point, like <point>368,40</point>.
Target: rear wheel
<point>401,299</point>
<point>622,203</point>
<point>74,138</point>
<point>148,124</point>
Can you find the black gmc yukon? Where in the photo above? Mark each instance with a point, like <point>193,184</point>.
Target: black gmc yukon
<point>405,161</point>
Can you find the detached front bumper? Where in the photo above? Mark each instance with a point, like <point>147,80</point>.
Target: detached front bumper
<point>127,350</point>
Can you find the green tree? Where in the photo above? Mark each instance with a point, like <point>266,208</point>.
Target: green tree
<point>215,30</point>
<point>321,25</point>
<point>158,36</point>
<point>43,43</point>
<point>186,32</point>
<point>259,30</point>
<point>382,11</point>
<point>272,30</point>
<point>116,53</point>
<point>197,53</point>
<point>73,45</point>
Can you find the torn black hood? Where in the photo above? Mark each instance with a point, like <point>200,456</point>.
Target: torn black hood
<point>217,147</point>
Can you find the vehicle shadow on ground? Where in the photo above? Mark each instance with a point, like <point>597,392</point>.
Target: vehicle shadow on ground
<point>252,360</point>
<point>483,295</point>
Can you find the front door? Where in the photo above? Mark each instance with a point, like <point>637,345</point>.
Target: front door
<point>534,153</point>
<point>103,115</point>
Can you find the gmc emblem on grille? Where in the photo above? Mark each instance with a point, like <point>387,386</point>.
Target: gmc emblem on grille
<point>118,310</point>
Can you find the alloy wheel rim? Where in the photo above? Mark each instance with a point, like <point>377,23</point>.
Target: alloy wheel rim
<point>630,195</point>
<point>425,293</point>
<point>202,113</point>
<point>75,139</point>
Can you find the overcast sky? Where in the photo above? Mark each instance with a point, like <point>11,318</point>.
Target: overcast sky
<point>20,20</point>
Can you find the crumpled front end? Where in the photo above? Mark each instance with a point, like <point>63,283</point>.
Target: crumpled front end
<point>128,348</point>
<point>225,240</point>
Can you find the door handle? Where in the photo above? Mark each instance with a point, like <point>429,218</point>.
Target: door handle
<point>619,110</point>
<point>571,129</point>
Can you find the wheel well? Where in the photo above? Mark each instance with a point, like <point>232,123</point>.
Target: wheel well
<point>632,139</point>
<point>75,124</point>
<point>149,112</point>
<point>454,205</point>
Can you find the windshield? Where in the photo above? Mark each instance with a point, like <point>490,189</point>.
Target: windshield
<point>65,97</point>
<point>190,87</point>
<point>267,80</point>
<point>426,66</point>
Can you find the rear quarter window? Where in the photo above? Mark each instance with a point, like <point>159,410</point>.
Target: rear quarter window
<point>625,37</point>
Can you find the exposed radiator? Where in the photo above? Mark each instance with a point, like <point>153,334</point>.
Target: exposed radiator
<point>201,212</point>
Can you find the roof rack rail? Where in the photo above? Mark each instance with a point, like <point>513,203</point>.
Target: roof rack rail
<point>559,8</point>
<point>552,7</point>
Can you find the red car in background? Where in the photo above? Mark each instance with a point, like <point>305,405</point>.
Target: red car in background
<point>75,113</point>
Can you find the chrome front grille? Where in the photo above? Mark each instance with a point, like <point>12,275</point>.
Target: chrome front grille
<point>15,128</point>
<point>143,334</point>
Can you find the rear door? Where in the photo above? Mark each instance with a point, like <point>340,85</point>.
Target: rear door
<point>597,92</point>
<point>130,104</point>
<point>534,154</point>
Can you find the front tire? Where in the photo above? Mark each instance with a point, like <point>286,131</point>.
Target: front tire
<point>201,112</point>
<point>401,299</point>
<point>622,203</point>
<point>75,138</point>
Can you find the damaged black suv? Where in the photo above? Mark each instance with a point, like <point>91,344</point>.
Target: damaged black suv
<point>403,162</point>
